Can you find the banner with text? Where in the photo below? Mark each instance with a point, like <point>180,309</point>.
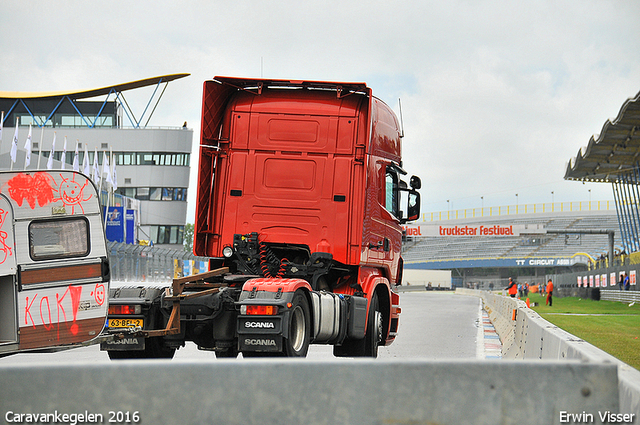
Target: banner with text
<point>472,229</point>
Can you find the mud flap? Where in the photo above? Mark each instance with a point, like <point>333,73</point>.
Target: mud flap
<point>128,343</point>
<point>266,333</point>
<point>261,333</point>
<point>260,343</point>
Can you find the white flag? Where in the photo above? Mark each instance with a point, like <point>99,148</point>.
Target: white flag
<point>106,169</point>
<point>96,169</point>
<point>63,159</point>
<point>53,148</point>
<point>1,125</point>
<point>114,179</point>
<point>85,162</point>
<point>76,162</point>
<point>14,145</point>
<point>27,147</point>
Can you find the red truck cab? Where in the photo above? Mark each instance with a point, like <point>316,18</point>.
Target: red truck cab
<point>300,202</point>
<point>312,166</point>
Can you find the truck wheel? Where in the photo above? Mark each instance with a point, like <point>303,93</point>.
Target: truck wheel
<point>227,353</point>
<point>374,329</point>
<point>155,349</point>
<point>124,355</point>
<point>297,345</point>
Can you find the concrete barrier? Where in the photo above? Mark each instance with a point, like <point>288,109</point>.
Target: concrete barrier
<point>530,336</point>
<point>287,391</point>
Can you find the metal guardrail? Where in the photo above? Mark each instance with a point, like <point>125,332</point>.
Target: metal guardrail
<point>617,295</point>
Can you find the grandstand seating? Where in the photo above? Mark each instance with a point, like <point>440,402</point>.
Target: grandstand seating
<point>438,248</point>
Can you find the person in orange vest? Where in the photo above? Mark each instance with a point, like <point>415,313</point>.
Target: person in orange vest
<point>550,293</point>
<point>512,288</point>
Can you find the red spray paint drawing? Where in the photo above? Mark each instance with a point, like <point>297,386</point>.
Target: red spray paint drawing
<point>71,193</point>
<point>5,250</point>
<point>45,310</point>
<point>40,187</point>
<point>32,188</point>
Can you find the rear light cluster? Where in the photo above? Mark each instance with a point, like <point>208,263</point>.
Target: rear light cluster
<point>259,310</point>
<point>124,309</point>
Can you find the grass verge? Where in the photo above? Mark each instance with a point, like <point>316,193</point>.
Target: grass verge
<point>609,325</point>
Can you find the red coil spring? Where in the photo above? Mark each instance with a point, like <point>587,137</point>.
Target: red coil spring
<point>264,263</point>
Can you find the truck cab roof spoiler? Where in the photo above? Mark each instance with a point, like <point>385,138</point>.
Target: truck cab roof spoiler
<point>256,85</point>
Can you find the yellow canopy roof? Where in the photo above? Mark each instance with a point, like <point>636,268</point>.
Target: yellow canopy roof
<point>85,94</point>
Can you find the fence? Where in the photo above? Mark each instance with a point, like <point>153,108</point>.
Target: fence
<point>519,209</point>
<point>138,263</point>
<point>620,296</point>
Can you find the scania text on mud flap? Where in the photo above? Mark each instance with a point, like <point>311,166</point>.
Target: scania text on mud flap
<point>300,203</point>
<point>54,269</point>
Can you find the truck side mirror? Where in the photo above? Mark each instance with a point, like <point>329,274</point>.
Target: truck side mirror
<point>413,205</point>
<point>415,182</point>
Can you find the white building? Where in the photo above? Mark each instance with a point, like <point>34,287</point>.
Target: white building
<point>152,164</point>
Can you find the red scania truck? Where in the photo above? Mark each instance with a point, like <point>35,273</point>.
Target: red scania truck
<point>300,203</point>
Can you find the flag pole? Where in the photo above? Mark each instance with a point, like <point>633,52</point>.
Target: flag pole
<point>1,125</point>
<point>104,158</point>
<point>27,147</point>
<point>40,148</point>
<point>106,210</point>
<point>14,142</point>
<point>110,192</point>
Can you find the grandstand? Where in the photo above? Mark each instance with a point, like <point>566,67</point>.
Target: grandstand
<point>531,256</point>
<point>480,261</point>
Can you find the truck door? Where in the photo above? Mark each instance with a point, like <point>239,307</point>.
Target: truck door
<point>392,215</point>
<point>8,303</point>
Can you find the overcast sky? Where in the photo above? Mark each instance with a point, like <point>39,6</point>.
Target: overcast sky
<point>497,96</point>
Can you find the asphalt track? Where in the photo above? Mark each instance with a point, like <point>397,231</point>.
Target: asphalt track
<point>433,325</point>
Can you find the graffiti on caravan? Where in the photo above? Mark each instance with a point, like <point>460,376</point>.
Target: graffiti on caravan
<point>472,229</point>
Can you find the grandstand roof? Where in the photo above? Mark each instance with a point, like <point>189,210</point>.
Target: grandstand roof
<point>614,152</point>
<point>85,94</point>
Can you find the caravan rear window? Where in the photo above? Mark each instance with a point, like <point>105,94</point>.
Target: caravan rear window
<point>53,239</point>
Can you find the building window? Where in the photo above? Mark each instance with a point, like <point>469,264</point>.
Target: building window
<point>165,234</point>
<point>154,193</point>
<point>142,193</point>
<point>152,158</point>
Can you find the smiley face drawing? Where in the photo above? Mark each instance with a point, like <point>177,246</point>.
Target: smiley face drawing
<point>70,193</point>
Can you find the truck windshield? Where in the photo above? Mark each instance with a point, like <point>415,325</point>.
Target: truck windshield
<point>58,239</point>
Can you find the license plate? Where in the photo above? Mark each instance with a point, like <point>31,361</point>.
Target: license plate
<point>125,323</point>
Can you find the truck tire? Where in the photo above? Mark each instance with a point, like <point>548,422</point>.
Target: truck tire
<point>155,349</point>
<point>368,346</point>
<point>374,329</point>
<point>227,353</point>
<point>297,345</point>
<point>124,355</point>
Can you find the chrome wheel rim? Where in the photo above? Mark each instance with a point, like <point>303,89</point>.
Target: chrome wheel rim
<point>378,324</point>
<point>297,331</point>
